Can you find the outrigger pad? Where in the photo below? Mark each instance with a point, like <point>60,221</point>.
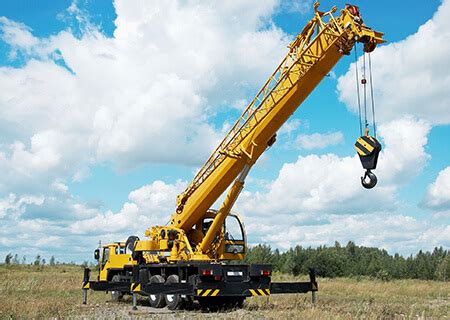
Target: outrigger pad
<point>368,149</point>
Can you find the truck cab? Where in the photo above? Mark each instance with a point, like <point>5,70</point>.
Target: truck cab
<point>113,261</point>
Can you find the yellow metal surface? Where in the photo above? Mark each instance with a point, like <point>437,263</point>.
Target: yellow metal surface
<point>260,292</point>
<point>207,292</point>
<point>365,145</point>
<point>147,245</point>
<point>135,287</point>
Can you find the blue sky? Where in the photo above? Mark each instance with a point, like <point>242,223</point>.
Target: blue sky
<point>109,108</point>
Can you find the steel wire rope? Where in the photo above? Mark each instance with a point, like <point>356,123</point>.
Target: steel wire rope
<point>372,98</point>
<point>364,82</point>
<point>357,90</point>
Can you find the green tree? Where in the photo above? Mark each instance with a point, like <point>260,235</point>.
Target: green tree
<point>8,258</point>
<point>52,261</point>
<point>443,269</point>
<point>37,261</point>
<point>259,254</point>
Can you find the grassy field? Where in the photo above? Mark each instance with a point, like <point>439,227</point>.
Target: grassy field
<point>54,292</point>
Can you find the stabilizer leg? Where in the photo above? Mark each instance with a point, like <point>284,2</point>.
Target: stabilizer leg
<point>85,296</point>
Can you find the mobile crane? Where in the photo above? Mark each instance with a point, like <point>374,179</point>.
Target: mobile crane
<point>185,260</point>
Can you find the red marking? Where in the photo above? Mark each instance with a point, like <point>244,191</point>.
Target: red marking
<point>207,272</point>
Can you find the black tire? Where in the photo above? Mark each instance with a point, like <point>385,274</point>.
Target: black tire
<point>174,301</point>
<point>188,303</point>
<point>156,300</point>
<point>116,295</point>
<point>129,244</point>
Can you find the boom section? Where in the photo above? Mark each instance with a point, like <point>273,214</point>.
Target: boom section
<point>312,55</point>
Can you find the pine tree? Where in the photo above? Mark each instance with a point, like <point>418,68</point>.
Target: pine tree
<point>8,258</point>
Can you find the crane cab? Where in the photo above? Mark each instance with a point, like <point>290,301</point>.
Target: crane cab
<point>231,242</point>
<point>235,242</point>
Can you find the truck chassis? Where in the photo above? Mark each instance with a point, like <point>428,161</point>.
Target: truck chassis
<point>212,285</point>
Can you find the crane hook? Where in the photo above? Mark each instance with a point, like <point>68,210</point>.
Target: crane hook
<point>372,182</point>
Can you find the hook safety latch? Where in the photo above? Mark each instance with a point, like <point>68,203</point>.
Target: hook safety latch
<point>368,149</point>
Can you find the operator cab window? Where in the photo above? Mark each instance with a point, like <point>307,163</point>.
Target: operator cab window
<point>120,250</point>
<point>207,222</point>
<point>233,229</point>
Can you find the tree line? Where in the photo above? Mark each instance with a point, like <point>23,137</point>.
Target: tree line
<point>14,259</point>
<point>38,260</point>
<point>354,261</point>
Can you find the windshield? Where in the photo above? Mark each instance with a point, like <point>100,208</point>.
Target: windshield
<point>105,256</point>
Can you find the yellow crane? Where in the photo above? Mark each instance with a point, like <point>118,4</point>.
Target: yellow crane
<point>185,259</point>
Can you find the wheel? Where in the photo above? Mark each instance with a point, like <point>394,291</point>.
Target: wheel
<point>156,300</point>
<point>116,295</point>
<point>174,301</point>
<point>188,303</point>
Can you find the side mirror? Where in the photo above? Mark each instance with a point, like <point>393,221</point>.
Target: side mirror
<point>97,254</point>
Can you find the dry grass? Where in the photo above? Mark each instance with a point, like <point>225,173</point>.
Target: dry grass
<point>54,292</point>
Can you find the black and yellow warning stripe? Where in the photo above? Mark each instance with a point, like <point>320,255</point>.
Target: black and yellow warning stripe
<point>86,285</point>
<point>207,292</point>
<point>365,145</point>
<point>135,287</point>
<point>260,292</point>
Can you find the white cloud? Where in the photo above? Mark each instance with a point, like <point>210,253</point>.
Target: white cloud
<point>297,6</point>
<point>79,227</point>
<point>404,155</point>
<point>59,186</point>
<point>410,76</point>
<point>12,206</point>
<point>81,100</point>
<point>394,232</point>
<point>290,126</point>
<point>149,205</point>
<point>17,34</point>
<point>318,140</point>
<point>438,193</point>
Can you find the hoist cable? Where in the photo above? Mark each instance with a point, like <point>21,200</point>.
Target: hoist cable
<point>371,95</point>
<point>364,81</point>
<point>357,90</point>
